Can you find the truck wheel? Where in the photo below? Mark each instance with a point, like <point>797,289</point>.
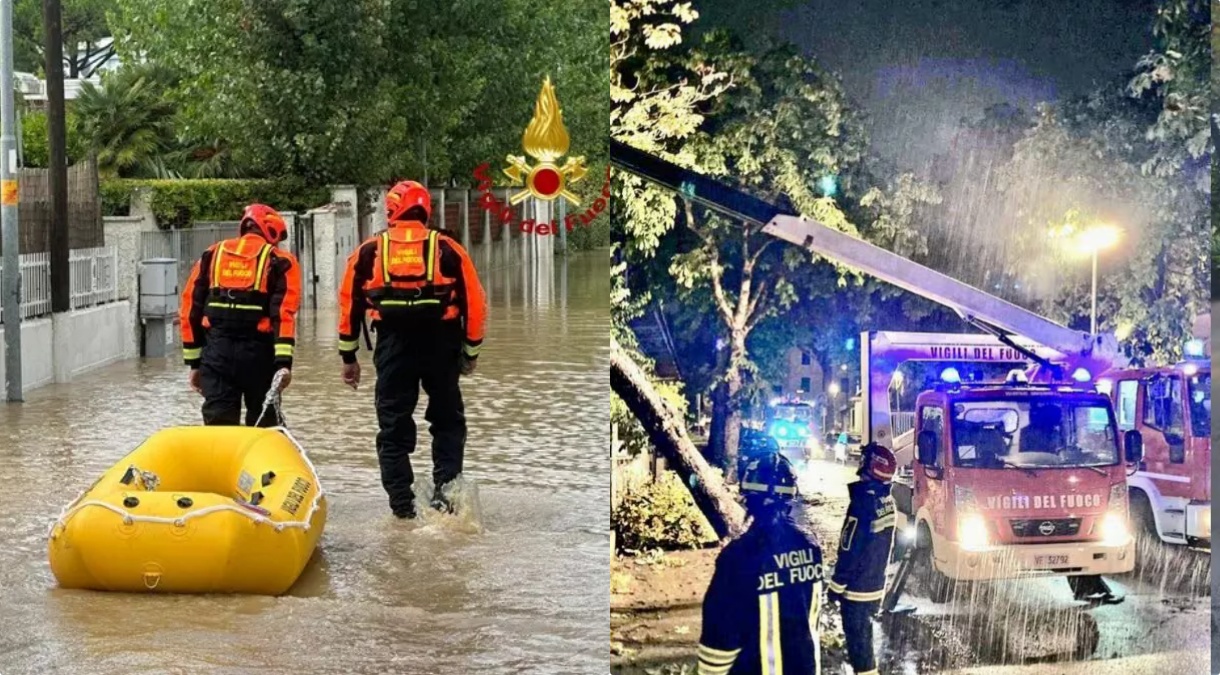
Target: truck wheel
<point>1142,519</point>
<point>938,586</point>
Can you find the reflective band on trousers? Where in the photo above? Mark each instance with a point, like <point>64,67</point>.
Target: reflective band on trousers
<point>192,354</point>
<point>283,350</point>
<point>348,345</point>
<point>471,350</point>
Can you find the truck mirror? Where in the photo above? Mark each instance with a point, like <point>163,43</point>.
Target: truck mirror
<point>1133,443</point>
<point>927,447</point>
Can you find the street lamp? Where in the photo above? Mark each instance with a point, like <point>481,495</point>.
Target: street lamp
<point>1090,241</point>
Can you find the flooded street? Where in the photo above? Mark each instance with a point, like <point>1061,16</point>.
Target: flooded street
<point>520,588</point>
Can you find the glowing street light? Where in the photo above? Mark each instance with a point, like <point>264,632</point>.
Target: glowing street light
<point>1090,241</point>
<point>833,389</point>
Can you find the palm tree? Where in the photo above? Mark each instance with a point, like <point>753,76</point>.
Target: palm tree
<point>128,122</point>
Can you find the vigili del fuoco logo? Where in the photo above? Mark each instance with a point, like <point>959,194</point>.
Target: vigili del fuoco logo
<point>546,140</point>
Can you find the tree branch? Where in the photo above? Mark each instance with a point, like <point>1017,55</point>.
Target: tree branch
<point>757,306</point>
<point>758,254</point>
<point>722,302</point>
<point>668,435</point>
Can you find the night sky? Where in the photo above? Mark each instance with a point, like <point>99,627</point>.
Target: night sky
<point>918,66</point>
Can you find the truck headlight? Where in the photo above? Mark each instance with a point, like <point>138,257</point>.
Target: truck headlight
<point>972,532</point>
<point>1114,531</point>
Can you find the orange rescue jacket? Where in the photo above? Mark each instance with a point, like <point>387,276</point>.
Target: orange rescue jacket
<point>415,273</point>
<point>243,286</point>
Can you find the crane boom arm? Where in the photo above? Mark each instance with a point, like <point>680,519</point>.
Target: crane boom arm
<point>993,315</point>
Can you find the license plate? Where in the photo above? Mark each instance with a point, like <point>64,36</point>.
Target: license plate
<point>1050,560</point>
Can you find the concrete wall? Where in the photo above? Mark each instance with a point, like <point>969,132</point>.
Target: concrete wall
<point>37,366</point>
<point>72,343</point>
<point>124,234</point>
<point>325,246</point>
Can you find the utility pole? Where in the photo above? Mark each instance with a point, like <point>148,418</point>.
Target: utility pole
<point>58,172</point>
<point>10,243</point>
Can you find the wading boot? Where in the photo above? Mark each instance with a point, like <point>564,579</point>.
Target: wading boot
<point>441,503</point>
<point>406,513</point>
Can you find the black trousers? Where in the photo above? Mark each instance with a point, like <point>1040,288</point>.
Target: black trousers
<point>858,631</point>
<point>405,360</point>
<point>234,368</point>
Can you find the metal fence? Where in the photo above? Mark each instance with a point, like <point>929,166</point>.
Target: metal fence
<point>186,246</point>
<point>92,274</point>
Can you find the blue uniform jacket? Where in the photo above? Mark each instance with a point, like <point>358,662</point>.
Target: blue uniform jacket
<point>865,543</point>
<point>760,613</point>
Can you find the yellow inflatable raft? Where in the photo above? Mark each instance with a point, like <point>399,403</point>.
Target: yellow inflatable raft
<point>195,510</point>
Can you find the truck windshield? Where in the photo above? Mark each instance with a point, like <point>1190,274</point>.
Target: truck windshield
<point>1201,405</point>
<point>792,413</point>
<point>1018,434</point>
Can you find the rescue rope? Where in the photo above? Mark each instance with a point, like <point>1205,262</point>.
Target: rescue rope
<point>274,399</point>
<point>130,518</point>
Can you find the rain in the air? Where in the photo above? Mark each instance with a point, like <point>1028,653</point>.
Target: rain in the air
<point>911,337</point>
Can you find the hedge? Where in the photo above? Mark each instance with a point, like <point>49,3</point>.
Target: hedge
<point>179,203</point>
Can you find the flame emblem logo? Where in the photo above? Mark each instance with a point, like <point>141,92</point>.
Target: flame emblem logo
<point>546,140</point>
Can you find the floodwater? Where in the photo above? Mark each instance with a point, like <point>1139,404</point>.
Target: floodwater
<point>521,587</point>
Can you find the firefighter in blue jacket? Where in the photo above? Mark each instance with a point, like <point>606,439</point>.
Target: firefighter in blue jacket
<point>760,614</point>
<point>858,583</point>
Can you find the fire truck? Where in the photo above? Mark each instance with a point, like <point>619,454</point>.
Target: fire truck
<point>1023,477</point>
<point>791,423</point>
<point>1171,407</point>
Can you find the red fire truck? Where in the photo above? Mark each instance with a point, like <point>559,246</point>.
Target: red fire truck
<point>1023,477</point>
<point>1171,408</point>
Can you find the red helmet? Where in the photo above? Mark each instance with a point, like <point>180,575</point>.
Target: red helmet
<point>266,221</point>
<point>878,461</point>
<point>405,195</point>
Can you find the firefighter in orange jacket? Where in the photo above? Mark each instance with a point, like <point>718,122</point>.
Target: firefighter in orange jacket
<point>238,318</point>
<point>427,307</point>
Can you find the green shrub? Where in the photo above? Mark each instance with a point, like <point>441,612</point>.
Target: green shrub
<point>180,203</point>
<point>658,515</point>
<point>34,139</point>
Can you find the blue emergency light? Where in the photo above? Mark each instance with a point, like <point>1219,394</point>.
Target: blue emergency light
<point>1082,375</point>
<point>950,375</point>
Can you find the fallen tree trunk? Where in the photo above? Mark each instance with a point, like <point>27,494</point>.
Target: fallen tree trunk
<point>668,434</point>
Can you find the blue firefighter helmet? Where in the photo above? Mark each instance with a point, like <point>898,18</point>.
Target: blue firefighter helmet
<point>768,481</point>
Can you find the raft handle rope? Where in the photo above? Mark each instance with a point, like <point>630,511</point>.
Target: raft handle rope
<point>131,518</point>
<point>274,399</point>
